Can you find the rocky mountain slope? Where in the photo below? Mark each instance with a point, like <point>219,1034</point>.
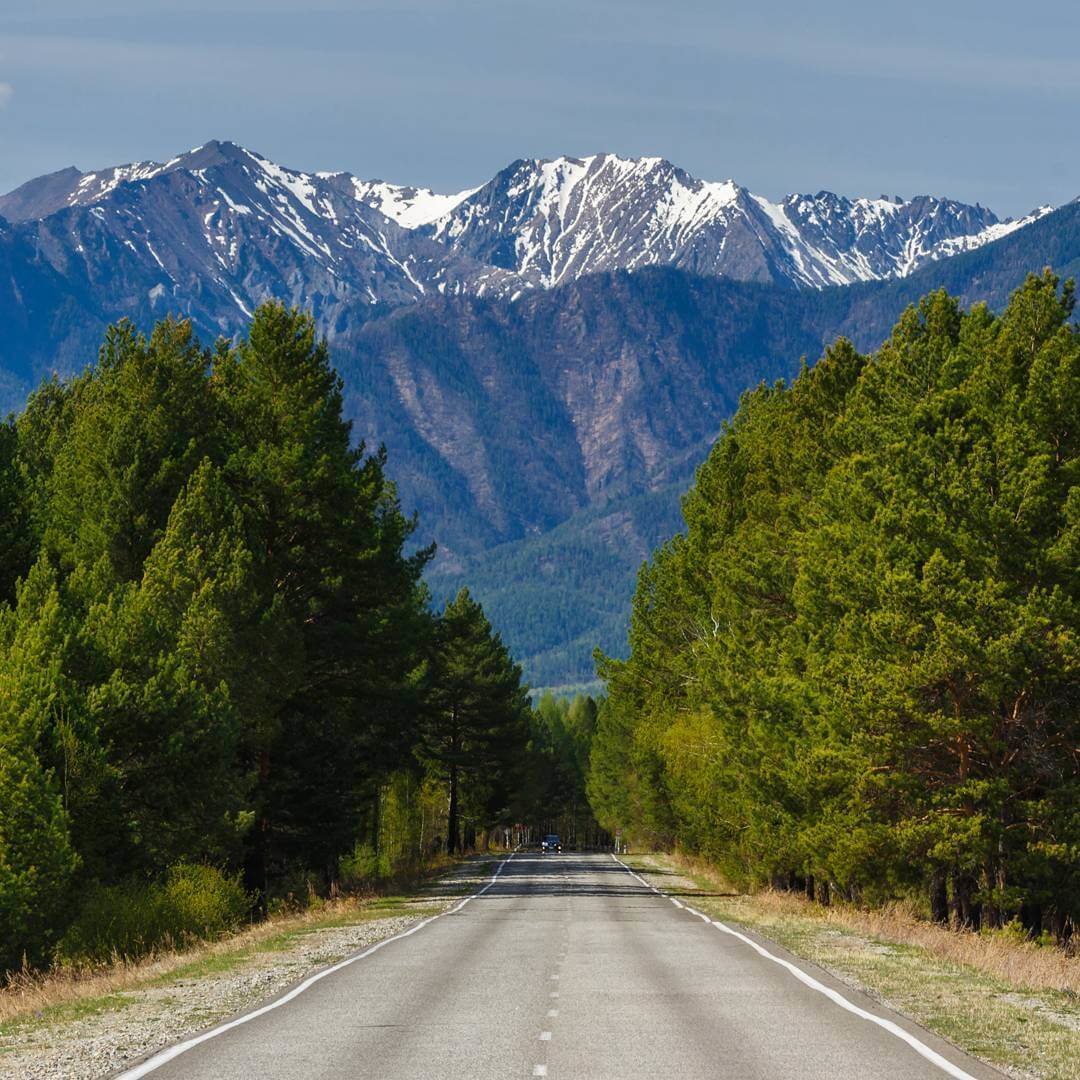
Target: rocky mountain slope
<point>213,232</point>
<point>554,221</point>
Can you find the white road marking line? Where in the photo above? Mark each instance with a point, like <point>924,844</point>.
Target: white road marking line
<point>545,1036</point>
<point>539,1070</point>
<point>172,1052</point>
<point>917,1045</point>
<point>553,1013</point>
<point>554,978</point>
<point>554,994</point>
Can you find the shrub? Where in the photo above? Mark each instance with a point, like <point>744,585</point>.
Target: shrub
<point>362,868</point>
<point>194,902</point>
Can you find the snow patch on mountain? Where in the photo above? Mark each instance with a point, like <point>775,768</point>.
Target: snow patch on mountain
<point>993,232</point>
<point>410,207</point>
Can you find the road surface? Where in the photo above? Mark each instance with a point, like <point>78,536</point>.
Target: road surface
<point>568,966</point>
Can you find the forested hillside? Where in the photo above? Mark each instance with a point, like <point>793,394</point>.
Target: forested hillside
<point>856,672</point>
<point>220,678</point>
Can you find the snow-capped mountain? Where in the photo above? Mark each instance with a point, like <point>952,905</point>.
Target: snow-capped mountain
<point>552,221</point>
<point>217,230</point>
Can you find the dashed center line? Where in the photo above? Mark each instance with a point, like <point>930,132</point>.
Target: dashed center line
<point>553,1013</point>
<point>545,1036</point>
<point>539,1070</point>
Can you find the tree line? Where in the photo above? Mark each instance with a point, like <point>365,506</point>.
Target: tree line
<point>857,670</point>
<point>215,644</point>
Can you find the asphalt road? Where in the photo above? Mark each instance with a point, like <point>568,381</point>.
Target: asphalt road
<point>568,966</point>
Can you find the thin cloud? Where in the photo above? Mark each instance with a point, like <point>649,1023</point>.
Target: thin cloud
<point>6,92</point>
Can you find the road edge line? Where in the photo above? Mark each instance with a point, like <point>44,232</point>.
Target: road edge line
<point>163,1057</point>
<point>835,996</point>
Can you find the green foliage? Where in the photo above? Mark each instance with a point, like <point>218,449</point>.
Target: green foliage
<point>363,868</point>
<point>477,728</point>
<point>563,730</point>
<point>214,649</point>
<point>858,666</point>
<point>194,902</point>
<point>16,541</point>
<point>36,859</point>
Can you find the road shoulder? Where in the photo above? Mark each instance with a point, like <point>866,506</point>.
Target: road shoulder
<point>122,1019</point>
<point>1026,1032</point>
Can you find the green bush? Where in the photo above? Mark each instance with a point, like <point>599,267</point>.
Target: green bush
<point>193,903</point>
<point>362,868</point>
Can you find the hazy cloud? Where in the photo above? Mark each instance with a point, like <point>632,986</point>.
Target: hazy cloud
<point>6,90</point>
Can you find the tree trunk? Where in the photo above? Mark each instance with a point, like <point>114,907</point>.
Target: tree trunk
<point>452,817</point>
<point>255,871</point>
<point>823,893</point>
<point>810,889</point>
<point>967,914</point>
<point>939,896</point>
<point>1031,916</point>
<point>1063,926</point>
<point>994,873</point>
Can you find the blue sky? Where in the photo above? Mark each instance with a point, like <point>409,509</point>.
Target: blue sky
<point>972,100</point>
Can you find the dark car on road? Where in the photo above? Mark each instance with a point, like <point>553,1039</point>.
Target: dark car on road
<point>551,843</point>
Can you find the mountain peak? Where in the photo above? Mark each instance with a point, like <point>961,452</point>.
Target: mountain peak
<point>39,196</point>
<point>215,152</point>
<point>539,222</point>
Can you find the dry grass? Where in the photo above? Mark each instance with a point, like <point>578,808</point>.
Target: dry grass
<point>65,991</point>
<point>28,994</point>
<point>1021,963</point>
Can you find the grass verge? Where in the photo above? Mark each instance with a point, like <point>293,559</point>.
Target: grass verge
<point>68,994</point>
<point>1012,1004</point>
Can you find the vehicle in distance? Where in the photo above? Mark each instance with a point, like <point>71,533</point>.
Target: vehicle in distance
<point>551,843</point>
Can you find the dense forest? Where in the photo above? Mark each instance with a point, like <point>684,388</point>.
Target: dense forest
<point>222,682</point>
<point>857,671</point>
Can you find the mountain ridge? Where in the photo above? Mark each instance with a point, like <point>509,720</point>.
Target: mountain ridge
<point>536,223</point>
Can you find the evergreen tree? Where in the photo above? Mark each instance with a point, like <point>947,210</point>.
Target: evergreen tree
<point>179,647</point>
<point>478,720</point>
<point>36,856</point>
<point>16,538</point>
<point>342,604</point>
<point>857,671</point>
<point>136,430</point>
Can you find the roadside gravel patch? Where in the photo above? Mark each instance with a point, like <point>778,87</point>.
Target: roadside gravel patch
<point>135,1022</point>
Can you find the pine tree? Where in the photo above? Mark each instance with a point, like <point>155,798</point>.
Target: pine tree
<point>342,603</point>
<point>180,647</point>
<point>478,723</point>
<point>36,855</point>
<point>16,538</point>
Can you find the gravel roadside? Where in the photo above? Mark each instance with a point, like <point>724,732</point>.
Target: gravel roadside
<point>146,1018</point>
